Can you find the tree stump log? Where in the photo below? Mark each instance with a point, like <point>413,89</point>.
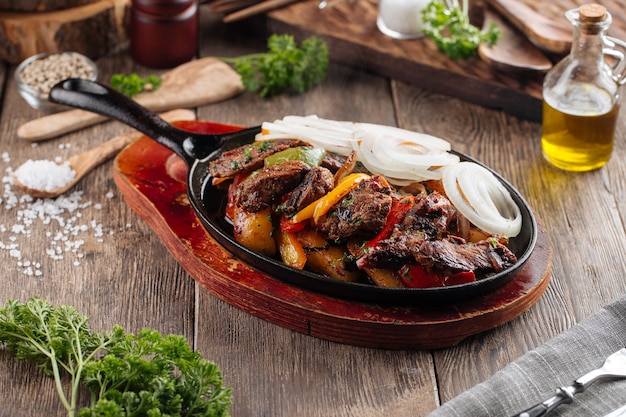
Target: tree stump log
<point>91,27</point>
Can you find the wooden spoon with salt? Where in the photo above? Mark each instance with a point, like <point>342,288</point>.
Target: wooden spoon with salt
<point>86,161</point>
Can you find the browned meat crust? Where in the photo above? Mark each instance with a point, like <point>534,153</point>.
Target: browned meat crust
<point>249,157</point>
<point>363,210</point>
<point>261,190</point>
<point>316,183</point>
<point>454,255</point>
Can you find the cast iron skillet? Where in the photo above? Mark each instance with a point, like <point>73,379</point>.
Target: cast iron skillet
<point>208,201</point>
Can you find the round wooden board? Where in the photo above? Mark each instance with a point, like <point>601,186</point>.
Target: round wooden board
<point>152,181</point>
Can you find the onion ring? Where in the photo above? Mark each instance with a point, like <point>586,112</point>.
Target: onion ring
<point>482,198</point>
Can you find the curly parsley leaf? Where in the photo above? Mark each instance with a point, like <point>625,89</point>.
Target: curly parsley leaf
<point>285,66</point>
<point>452,32</point>
<point>133,84</point>
<point>128,375</point>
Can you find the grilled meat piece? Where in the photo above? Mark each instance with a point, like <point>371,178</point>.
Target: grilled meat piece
<point>431,215</point>
<point>248,158</point>
<point>316,183</point>
<point>259,191</point>
<point>430,218</point>
<point>453,255</point>
<point>363,211</point>
<point>333,161</point>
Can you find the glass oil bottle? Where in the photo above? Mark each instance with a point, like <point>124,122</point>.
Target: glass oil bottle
<point>581,94</point>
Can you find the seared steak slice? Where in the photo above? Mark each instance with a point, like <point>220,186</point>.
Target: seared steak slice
<point>431,215</point>
<point>316,183</point>
<point>363,210</point>
<point>391,253</point>
<point>248,157</point>
<point>333,161</point>
<point>428,219</point>
<point>259,191</point>
<point>454,255</point>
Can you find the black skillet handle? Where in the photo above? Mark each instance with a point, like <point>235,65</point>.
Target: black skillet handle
<point>98,98</point>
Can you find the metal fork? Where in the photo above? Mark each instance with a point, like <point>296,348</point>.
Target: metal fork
<point>614,367</point>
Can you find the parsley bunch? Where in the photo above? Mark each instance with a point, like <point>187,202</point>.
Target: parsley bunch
<point>284,66</point>
<point>451,30</point>
<point>128,375</point>
<point>133,84</point>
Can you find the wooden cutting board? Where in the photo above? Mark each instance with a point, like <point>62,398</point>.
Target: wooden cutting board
<point>353,38</point>
<point>544,23</point>
<point>152,181</point>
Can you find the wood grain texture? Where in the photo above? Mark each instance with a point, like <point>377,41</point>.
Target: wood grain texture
<point>41,5</point>
<point>129,278</point>
<point>91,28</point>
<point>544,23</point>
<point>353,38</point>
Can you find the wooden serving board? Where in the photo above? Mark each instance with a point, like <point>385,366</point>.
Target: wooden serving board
<point>152,181</point>
<point>350,30</point>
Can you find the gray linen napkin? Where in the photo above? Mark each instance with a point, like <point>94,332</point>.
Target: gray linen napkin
<point>534,377</point>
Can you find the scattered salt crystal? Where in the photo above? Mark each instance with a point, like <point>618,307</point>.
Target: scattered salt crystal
<point>44,175</point>
<point>58,223</point>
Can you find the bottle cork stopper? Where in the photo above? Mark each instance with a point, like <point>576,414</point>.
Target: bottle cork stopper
<point>592,13</point>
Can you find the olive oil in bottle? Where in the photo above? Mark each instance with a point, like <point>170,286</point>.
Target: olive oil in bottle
<point>581,96</point>
<point>579,139</point>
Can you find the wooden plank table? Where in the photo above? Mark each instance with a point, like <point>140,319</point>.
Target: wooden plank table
<point>116,270</point>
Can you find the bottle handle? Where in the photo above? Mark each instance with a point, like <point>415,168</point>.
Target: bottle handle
<point>616,49</point>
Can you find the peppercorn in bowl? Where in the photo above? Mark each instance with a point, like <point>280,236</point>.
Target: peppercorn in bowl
<point>36,75</point>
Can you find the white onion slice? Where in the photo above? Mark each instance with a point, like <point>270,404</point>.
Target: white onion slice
<point>401,159</point>
<point>431,142</point>
<point>482,198</point>
<point>401,155</point>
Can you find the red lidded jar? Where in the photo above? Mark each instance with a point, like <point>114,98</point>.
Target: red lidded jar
<point>163,33</point>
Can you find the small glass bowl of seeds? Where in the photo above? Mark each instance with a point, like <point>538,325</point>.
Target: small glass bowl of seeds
<point>36,76</point>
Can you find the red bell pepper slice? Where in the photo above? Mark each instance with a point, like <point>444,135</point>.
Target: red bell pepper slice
<point>232,195</point>
<point>398,211</point>
<point>459,278</point>
<point>288,226</point>
<point>417,276</point>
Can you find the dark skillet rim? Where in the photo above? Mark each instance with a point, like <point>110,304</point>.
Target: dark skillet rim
<point>201,191</point>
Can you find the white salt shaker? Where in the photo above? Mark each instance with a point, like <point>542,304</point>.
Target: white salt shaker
<point>401,19</point>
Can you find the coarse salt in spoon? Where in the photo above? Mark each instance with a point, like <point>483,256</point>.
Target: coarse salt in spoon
<point>48,179</point>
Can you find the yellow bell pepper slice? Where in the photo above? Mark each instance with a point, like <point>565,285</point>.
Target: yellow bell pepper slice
<point>320,207</point>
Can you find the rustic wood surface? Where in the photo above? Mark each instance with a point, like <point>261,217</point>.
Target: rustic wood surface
<point>125,275</point>
<point>350,28</point>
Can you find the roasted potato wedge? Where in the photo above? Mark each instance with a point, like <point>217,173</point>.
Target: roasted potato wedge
<point>384,277</point>
<point>324,258</point>
<point>255,231</point>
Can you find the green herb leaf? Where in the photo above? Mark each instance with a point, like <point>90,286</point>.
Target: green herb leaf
<point>133,84</point>
<point>284,66</point>
<point>128,375</point>
<point>452,32</point>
